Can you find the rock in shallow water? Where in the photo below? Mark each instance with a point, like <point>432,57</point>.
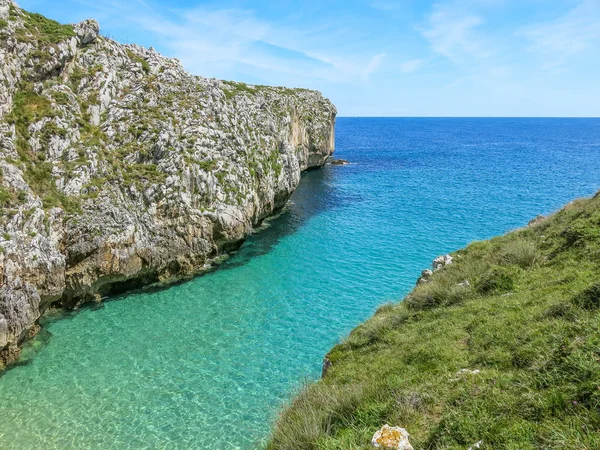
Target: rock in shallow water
<point>339,162</point>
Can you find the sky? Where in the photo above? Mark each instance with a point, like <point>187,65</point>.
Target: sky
<point>377,57</point>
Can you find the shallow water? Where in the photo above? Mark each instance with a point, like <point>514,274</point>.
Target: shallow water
<point>206,364</point>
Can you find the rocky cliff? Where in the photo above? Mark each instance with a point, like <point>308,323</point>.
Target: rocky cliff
<point>120,169</point>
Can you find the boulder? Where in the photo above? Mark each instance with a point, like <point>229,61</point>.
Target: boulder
<point>391,437</point>
<point>425,276</point>
<point>441,262</point>
<point>87,31</point>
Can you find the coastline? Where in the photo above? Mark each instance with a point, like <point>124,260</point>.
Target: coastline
<point>490,349</point>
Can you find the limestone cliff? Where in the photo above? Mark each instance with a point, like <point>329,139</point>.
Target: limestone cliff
<point>119,169</point>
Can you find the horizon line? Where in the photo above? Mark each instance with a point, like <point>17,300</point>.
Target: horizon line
<point>468,117</point>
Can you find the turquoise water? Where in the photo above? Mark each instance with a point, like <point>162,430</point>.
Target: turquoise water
<point>206,364</point>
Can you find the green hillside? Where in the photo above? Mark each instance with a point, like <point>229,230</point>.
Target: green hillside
<point>528,320</point>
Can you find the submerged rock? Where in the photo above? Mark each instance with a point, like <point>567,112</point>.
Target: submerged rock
<point>339,162</point>
<point>391,437</point>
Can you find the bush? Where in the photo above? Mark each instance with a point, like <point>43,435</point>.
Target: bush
<point>5,197</point>
<point>438,292</point>
<point>497,279</point>
<point>520,252</point>
<point>589,298</point>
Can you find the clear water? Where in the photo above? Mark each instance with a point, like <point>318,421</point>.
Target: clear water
<point>206,364</point>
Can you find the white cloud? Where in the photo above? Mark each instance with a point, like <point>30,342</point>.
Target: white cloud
<point>451,32</point>
<point>411,66</point>
<point>373,65</point>
<point>566,36</point>
<point>225,42</point>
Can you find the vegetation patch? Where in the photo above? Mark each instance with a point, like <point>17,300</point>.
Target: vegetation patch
<point>138,59</point>
<point>235,88</point>
<point>39,28</point>
<point>28,108</point>
<point>519,312</point>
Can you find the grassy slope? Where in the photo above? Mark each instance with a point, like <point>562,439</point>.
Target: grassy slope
<point>529,321</point>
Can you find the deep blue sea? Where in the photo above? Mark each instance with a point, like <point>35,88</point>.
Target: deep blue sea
<point>207,363</point>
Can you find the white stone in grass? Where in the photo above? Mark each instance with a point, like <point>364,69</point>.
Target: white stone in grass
<point>441,262</point>
<point>391,437</point>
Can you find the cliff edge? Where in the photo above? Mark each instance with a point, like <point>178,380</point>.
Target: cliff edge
<point>118,168</point>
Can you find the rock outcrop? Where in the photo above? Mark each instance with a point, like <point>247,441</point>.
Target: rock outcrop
<point>120,169</point>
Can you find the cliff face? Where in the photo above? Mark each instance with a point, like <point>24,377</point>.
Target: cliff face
<point>118,168</point>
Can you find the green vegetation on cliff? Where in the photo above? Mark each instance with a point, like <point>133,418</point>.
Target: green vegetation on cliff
<point>528,320</point>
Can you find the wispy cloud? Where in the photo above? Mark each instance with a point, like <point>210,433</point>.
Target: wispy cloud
<point>211,41</point>
<point>412,65</point>
<point>451,32</point>
<point>472,57</point>
<point>373,65</point>
<point>560,39</point>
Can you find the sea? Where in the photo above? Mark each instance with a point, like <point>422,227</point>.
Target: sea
<point>209,363</point>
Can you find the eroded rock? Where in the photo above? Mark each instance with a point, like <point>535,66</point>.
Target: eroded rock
<point>87,31</point>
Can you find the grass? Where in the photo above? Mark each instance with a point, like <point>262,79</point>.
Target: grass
<point>29,108</point>
<point>39,28</point>
<point>234,88</point>
<point>528,319</point>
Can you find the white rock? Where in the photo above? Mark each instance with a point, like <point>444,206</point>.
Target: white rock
<point>87,31</point>
<point>425,275</point>
<point>391,437</point>
<point>442,261</point>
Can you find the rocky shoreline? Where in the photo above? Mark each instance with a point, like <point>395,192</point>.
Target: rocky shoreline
<point>119,169</point>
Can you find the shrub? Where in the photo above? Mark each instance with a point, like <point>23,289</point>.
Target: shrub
<point>28,107</point>
<point>5,197</point>
<point>520,252</point>
<point>589,298</point>
<point>438,292</point>
<point>497,279</point>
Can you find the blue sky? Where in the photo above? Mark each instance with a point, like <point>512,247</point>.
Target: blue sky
<point>377,57</point>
